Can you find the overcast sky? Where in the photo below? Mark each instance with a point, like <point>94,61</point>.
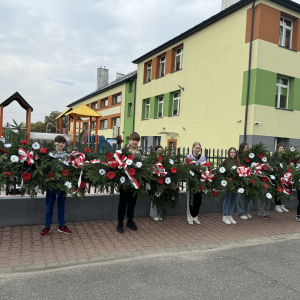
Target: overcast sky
<point>50,49</point>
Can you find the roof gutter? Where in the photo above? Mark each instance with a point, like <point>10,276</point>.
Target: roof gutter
<point>249,71</point>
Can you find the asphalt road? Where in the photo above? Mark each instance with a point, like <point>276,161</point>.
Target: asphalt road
<point>266,271</point>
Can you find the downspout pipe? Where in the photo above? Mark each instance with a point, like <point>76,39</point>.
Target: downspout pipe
<point>134,100</point>
<point>249,70</point>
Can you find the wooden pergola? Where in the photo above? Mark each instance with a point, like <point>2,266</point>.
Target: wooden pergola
<point>23,103</point>
<point>83,111</point>
<point>59,118</point>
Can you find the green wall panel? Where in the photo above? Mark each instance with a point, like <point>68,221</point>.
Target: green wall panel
<point>128,121</point>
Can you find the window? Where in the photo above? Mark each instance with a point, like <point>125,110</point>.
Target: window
<point>94,106</point>
<point>117,99</point>
<point>147,109</point>
<point>129,112</point>
<point>86,126</point>
<point>176,104</point>
<point>178,59</point>
<point>103,124</point>
<point>131,84</point>
<point>104,102</point>
<point>93,124</point>
<point>282,92</point>
<point>160,107</point>
<point>158,141</point>
<point>149,68</point>
<point>116,121</point>
<point>285,37</point>
<point>162,67</point>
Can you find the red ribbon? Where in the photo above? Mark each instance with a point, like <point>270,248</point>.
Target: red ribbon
<point>243,171</point>
<point>207,175</point>
<point>286,181</point>
<point>27,156</point>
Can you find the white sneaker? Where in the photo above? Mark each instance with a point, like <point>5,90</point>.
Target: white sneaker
<point>244,217</point>
<point>196,221</point>
<point>231,220</point>
<point>284,209</point>
<point>278,208</point>
<point>225,220</point>
<point>190,221</point>
<point>249,216</point>
<point>156,219</point>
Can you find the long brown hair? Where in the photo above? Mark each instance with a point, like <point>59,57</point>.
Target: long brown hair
<point>236,160</point>
<point>242,147</point>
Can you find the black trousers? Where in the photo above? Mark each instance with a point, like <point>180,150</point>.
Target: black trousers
<point>195,203</point>
<point>126,203</point>
<point>277,202</point>
<point>298,208</point>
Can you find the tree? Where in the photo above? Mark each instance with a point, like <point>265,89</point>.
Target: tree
<point>52,119</point>
<point>39,126</point>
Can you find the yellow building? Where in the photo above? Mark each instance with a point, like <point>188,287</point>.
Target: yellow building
<point>109,101</point>
<point>194,87</point>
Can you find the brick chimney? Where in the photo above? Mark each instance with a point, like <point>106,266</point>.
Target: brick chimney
<point>102,77</point>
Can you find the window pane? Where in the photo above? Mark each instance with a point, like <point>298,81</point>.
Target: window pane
<point>178,51</point>
<point>162,69</point>
<point>283,98</point>
<point>284,81</point>
<point>147,112</point>
<point>288,23</point>
<point>177,63</point>
<point>176,95</point>
<point>175,108</point>
<point>281,39</point>
<point>276,97</point>
<point>287,38</point>
<point>148,75</point>
<point>160,110</point>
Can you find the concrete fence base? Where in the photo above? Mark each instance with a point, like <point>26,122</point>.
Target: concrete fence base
<point>16,211</point>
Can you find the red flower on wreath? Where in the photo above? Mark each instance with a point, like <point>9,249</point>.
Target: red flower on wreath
<point>3,151</point>
<point>44,150</point>
<point>169,186</point>
<point>188,161</point>
<point>8,174</point>
<point>162,207</point>
<point>130,157</point>
<point>246,159</point>
<point>253,181</point>
<point>88,150</point>
<point>266,186</point>
<point>64,173</point>
<point>277,169</point>
<point>173,170</point>
<point>111,175</point>
<point>265,167</point>
<point>26,176</point>
<point>160,180</point>
<point>50,175</point>
<point>208,165</point>
<point>201,187</point>
<point>109,156</point>
<point>159,158</point>
<point>131,172</point>
<point>24,142</point>
<point>289,170</point>
<point>113,165</point>
<point>229,179</point>
<point>260,156</point>
<point>177,190</point>
<point>280,190</point>
<point>224,162</point>
<point>214,192</point>
<point>82,184</point>
<point>264,179</point>
<point>293,161</point>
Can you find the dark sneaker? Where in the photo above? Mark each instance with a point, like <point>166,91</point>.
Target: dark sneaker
<point>45,231</point>
<point>120,228</point>
<point>266,217</point>
<point>64,229</point>
<point>298,218</point>
<point>131,225</point>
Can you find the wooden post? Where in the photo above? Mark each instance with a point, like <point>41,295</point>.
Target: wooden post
<point>96,133</point>
<point>74,129</point>
<point>69,123</point>
<point>79,126</point>
<point>56,126</point>
<point>1,121</point>
<point>28,120</point>
<point>60,124</point>
<point>90,126</point>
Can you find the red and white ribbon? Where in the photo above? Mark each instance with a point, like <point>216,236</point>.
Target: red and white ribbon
<point>27,156</point>
<point>207,175</point>
<point>258,169</point>
<point>243,171</point>
<point>286,181</point>
<point>159,170</point>
<point>78,162</point>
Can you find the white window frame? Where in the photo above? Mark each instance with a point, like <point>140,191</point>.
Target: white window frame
<point>104,122</point>
<point>280,86</point>
<point>115,121</point>
<point>162,66</point>
<point>160,101</point>
<point>104,101</point>
<point>94,105</point>
<point>149,67</point>
<point>284,28</point>
<point>178,108</point>
<point>117,97</point>
<point>181,57</point>
<point>147,104</point>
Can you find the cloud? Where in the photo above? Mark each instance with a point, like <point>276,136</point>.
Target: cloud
<point>50,50</point>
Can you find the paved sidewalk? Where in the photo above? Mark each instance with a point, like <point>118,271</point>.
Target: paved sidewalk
<point>21,248</point>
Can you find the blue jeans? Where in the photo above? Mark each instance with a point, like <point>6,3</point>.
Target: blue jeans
<point>229,203</point>
<point>50,201</point>
<point>243,207</point>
